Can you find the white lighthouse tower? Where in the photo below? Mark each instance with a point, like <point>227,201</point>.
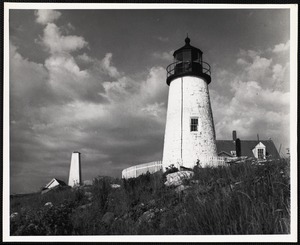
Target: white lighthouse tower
<point>75,170</point>
<point>189,134</point>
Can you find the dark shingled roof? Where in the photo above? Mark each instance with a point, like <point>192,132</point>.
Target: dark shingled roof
<point>247,147</point>
<point>61,182</point>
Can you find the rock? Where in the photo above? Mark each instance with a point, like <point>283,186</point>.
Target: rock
<point>226,191</point>
<point>203,189</point>
<point>151,202</point>
<point>14,215</point>
<point>176,179</point>
<point>125,216</point>
<point>141,205</point>
<point>146,216</point>
<point>181,188</point>
<point>85,206</point>
<point>195,181</point>
<point>238,183</point>
<point>235,185</point>
<point>115,186</point>
<point>45,191</point>
<point>48,204</point>
<point>108,218</point>
<point>88,194</point>
<point>221,182</point>
<point>88,182</point>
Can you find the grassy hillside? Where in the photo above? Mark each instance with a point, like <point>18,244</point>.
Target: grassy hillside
<point>245,198</point>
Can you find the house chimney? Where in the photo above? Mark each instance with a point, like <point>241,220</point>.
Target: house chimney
<point>258,137</point>
<point>238,148</point>
<point>234,135</point>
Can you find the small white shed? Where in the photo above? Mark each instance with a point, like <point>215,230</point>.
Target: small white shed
<point>53,183</point>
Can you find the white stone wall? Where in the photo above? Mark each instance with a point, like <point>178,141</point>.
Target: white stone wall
<point>188,97</point>
<point>75,170</point>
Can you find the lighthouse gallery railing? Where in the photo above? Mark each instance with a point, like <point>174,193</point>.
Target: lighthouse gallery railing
<point>183,67</point>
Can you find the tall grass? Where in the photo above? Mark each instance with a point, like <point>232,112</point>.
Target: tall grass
<point>245,198</point>
<point>241,199</point>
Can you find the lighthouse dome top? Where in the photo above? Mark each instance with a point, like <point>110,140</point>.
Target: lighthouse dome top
<point>188,62</point>
<point>187,40</point>
<point>187,48</point>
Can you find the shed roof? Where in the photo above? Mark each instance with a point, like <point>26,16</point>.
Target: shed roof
<point>59,181</point>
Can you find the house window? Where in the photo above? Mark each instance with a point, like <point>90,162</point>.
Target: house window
<point>194,124</point>
<point>233,153</point>
<point>260,154</point>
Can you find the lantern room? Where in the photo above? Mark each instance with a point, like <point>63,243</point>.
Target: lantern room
<point>188,62</point>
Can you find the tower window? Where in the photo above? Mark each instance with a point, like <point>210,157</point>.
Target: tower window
<point>194,124</point>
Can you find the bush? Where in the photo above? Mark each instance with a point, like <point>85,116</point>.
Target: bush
<point>45,221</point>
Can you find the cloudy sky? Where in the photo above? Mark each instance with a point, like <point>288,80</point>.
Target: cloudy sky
<point>95,81</point>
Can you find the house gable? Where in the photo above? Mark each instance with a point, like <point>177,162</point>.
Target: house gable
<point>247,147</point>
<point>224,154</point>
<point>259,151</point>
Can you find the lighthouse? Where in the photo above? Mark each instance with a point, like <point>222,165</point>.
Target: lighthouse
<point>189,133</point>
<point>75,170</point>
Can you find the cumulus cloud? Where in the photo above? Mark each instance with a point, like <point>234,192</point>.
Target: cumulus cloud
<point>85,58</point>
<point>281,47</point>
<point>154,89</point>
<point>255,100</point>
<point>67,80</point>
<point>28,82</point>
<point>120,90</point>
<point>241,61</point>
<point>270,72</point>
<point>255,67</point>
<point>163,39</point>
<point>155,109</point>
<point>55,42</point>
<point>253,110</point>
<point>64,63</point>
<point>45,16</point>
<point>70,26</point>
<point>166,56</point>
<point>107,66</point>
